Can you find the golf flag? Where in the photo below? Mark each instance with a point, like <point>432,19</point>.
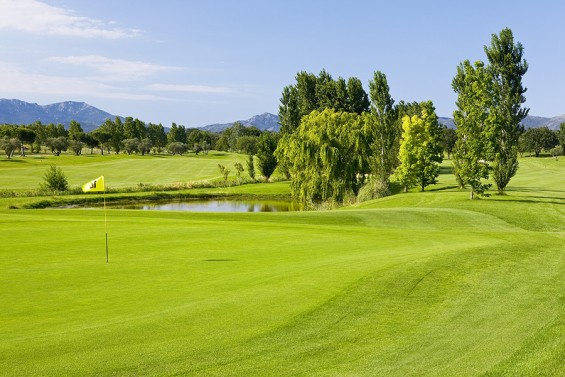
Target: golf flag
<point>95,185</point>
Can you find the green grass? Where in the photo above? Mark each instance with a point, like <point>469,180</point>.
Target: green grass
<point>119,170</point>
<point>427,284</point>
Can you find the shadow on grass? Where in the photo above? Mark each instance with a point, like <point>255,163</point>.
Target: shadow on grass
<point>446,170</point>
<point>12,161</point>
<point>220,260</point>
<point>444,188</point>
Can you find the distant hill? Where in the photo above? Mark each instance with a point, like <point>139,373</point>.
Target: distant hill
<point>264,122</point>
<point>531,121</point>
<point>14,111</point>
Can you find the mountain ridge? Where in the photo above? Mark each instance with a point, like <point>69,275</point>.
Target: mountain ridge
<point>15,111</point>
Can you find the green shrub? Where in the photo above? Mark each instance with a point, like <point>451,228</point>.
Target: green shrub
<point>55,180</point>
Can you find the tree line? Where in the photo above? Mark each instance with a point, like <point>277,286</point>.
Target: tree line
<point>338,142</point>
<point>128,136</point>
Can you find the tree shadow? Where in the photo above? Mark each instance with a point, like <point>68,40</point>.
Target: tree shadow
<point>445,188</point>
<point>446,170</point>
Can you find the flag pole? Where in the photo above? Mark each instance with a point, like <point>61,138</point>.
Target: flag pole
<point>105,223</point>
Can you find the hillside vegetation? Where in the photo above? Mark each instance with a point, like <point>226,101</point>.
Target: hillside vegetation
<point>419,283</point>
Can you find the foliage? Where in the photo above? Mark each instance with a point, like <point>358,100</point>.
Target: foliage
<point>474,126</point>
<point>225,172</point>
<point>176,134</point>
<point>131,145</point>
<point>238,170</point>
<point>325,156</point>
<point>57,144</point>
<point>76,146</point>
<point>267,162</point>
<point>25,136</point>
<point>251,166</point>
<point>177,148</point>
<point>156,133</point>
<point>561,135</point>
<point>76,132</point>
<point>506,67</point>
<point>420,149</point>
<point>55,180</point>
<point>247,144</point>
<point>538,139</point>
<point>382,131</point>
<point>449,140</point>
<point>9,145</point>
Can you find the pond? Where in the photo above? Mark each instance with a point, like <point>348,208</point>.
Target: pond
<point>217,205</point>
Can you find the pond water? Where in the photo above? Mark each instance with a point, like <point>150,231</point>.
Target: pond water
<point>215,206</point>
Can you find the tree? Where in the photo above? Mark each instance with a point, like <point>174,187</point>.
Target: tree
<point>145,146</point>
<point>76,146</point>
<point>102,136</point>
<point>76,132</point>
<point>156,133</point>
<point>177,148</point>
<point>506,67</point>
<point>449,140</point>
<point>25,135</point>
<point>325,155</point>
<point>225,172</point>
<point>383,131</point>
<point>357,98</point>
<point>55,180</point>
<point>176,134</point>
<point>420,149</point>
<point>90,141</point>
<point>251,166</point>
<point>289,111</point>
<point>266,154</point>
<point>131,145</point>
<point>473,121</point>
<point>57,144</point>
<point>247,144</point>
<point>238,170</point>
<point>9,145</point>
<point>561,135</point>
<point>538,139</point>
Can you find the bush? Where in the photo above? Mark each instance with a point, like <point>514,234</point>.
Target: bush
<point>55,180</point>
<point>374,189</point>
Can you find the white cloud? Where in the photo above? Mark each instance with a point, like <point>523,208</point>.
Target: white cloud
<point>114,69</point>
<point>188,88</point>
<point>35,17</point>
<point>15,81</point>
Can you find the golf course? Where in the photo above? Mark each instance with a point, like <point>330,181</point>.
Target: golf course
<point>418,283</point>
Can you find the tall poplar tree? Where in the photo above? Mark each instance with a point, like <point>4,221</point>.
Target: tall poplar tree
<point>473,119</point>
<point>383,131</point>
<point>507,67</point>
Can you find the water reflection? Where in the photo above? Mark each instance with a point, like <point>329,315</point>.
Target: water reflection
<point>217,206</point>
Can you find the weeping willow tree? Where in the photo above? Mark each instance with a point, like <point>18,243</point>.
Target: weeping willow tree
<point>326,155</point>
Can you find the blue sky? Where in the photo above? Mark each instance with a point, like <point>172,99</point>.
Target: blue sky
<point>202,62</point>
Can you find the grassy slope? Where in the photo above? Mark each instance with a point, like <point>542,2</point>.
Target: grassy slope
<point>415,284</point>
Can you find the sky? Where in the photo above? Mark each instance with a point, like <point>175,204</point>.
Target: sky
<point>216,61</point>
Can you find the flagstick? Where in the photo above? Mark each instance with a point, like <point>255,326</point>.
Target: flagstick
<point>105,224</point>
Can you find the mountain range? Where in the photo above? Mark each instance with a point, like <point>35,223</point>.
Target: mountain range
<point>14,111</point>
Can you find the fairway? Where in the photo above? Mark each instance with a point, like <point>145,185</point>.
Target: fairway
<point>120,170</point>
<point>427,284</point>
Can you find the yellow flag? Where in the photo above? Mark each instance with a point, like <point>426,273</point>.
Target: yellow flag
<point>95,185</point>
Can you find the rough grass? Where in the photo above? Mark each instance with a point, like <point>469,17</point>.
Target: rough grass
<point>425,284</point>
